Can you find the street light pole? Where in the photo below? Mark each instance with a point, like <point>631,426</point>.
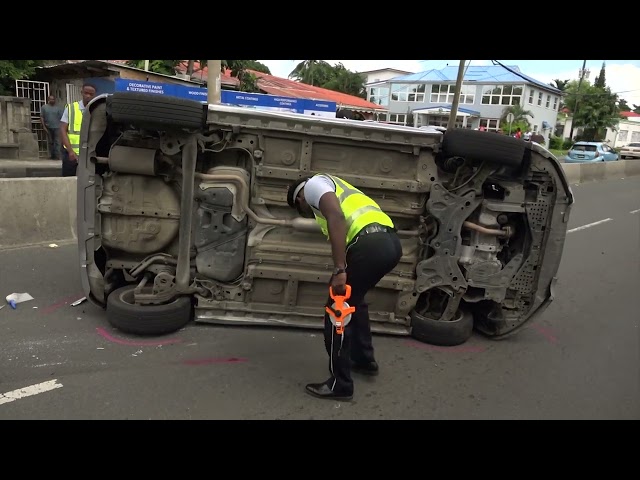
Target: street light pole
<point>575,109</point>
<point>456,98</point>
<point>213,81</point>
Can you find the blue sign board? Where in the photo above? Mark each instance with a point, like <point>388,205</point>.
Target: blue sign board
<point>245,99</point>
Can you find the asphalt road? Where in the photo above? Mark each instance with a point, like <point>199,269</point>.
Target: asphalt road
<point>581,360</point>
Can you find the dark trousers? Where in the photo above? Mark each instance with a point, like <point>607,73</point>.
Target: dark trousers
<point>369,258</point>
<point>68,167</point>
<point>53,142</point>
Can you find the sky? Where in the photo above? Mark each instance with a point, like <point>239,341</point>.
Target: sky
<point>622,76</point>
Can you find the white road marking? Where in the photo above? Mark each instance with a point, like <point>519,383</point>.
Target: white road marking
<point>589,225</point>
<point>29,391</point>
<point>635,211</point>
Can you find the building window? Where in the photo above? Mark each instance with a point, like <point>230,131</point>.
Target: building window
<point>635,136</point>
<point>399,118</point>
<point>539,99</point>
<point>622,136</point>
<point>408,93</point>
<point>555,103</point>
<point>490,124</point>
<point>548,101</point>
<point>446,94</point>
<point>379,96</point>
<point>531,92</point>
<point>502,94</point>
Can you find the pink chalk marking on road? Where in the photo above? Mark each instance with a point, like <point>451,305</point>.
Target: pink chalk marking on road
<point>61,303</point>
<point>436,348</point>
<point>103,333</point>
<point>209,361</point>
<point>546,333</point>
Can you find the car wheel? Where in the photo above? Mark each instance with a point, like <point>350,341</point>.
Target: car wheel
<point>437,332</point>
<point>484,146</point>
<point>128,317</point>
<point>150,110</point>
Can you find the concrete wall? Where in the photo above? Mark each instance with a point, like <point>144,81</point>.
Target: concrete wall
<point>37,210</point>
<point>16,137</point>
<point>43,210</point>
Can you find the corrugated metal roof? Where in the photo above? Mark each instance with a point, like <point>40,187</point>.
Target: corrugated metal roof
<point>291,88</point>
<point>479,74</point>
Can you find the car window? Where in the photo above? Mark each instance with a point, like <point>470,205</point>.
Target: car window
<point>634,145</point>
<point>606,148</point>
<point>585,148</point>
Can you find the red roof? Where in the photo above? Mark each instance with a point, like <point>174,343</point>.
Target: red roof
<point>291,88</point>
<point>225,78</point>
<point>629,114</point>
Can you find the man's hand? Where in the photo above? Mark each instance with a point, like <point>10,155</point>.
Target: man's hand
<point>72,156</point>
<point>338,283</point>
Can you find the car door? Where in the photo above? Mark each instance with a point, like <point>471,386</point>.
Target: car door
<point>609,154</point>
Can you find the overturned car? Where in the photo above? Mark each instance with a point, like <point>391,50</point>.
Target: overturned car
<point>183,216</point>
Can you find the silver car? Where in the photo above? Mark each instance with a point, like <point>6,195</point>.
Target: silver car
<point>632,150</point>
<point>182,217</point>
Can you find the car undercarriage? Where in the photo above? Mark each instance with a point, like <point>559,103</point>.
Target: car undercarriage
<point>182,215</point>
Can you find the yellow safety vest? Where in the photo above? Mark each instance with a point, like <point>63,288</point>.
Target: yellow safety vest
<point>358,210</point>
<point>75,123</point>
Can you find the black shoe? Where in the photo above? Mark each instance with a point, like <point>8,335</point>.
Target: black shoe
<point>322,390</point>
<point>370,368</point>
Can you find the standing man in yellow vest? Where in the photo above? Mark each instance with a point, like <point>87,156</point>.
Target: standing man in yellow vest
<point>364,247</point>
<point>70,124</point>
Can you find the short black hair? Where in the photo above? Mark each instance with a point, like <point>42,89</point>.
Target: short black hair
<point>292,188</point>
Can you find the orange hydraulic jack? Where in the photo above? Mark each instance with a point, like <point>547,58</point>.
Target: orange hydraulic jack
<point>340,311</point>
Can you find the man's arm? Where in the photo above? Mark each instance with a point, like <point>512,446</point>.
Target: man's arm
<point>64,134</point>
<point>64,137</point>
<point>44,125</point>
<point>337,226</point>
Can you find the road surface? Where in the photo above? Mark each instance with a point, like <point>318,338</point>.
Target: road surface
<point>579,361</point>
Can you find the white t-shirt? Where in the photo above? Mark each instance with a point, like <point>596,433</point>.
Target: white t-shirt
<point>316,187</point>
<point>65,114</point>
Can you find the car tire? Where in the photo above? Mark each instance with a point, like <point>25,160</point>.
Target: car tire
<point>151,110</point>
<point>128,317</point>
<point>442,333</point>
<point>484,147</point>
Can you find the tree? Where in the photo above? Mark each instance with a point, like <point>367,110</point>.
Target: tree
<point>12,70</point>
<point>519,115</point>
<point>313,72</point>
<point>248,81</point>
<point>623,106</point>
<point>560,84</point>
<point>597,109</point>
<point>346,81</point>
<point>165,67</point>
<point>600,79</point>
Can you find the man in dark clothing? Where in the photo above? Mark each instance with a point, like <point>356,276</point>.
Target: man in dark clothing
<point>50,114</point>
<point>365,247</point>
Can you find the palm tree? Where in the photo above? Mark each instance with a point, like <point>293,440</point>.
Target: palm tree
<point>519,114</point>
<point>311,72</point>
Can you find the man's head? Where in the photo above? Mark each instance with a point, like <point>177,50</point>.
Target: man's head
<point>295,198</point>
<point>51,100</point>
<point>88,92</point>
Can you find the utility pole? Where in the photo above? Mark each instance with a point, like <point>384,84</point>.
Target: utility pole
<point>146,65</point>
<point>456,98</point>
<point>213,81</point>
<point>575,110</point>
